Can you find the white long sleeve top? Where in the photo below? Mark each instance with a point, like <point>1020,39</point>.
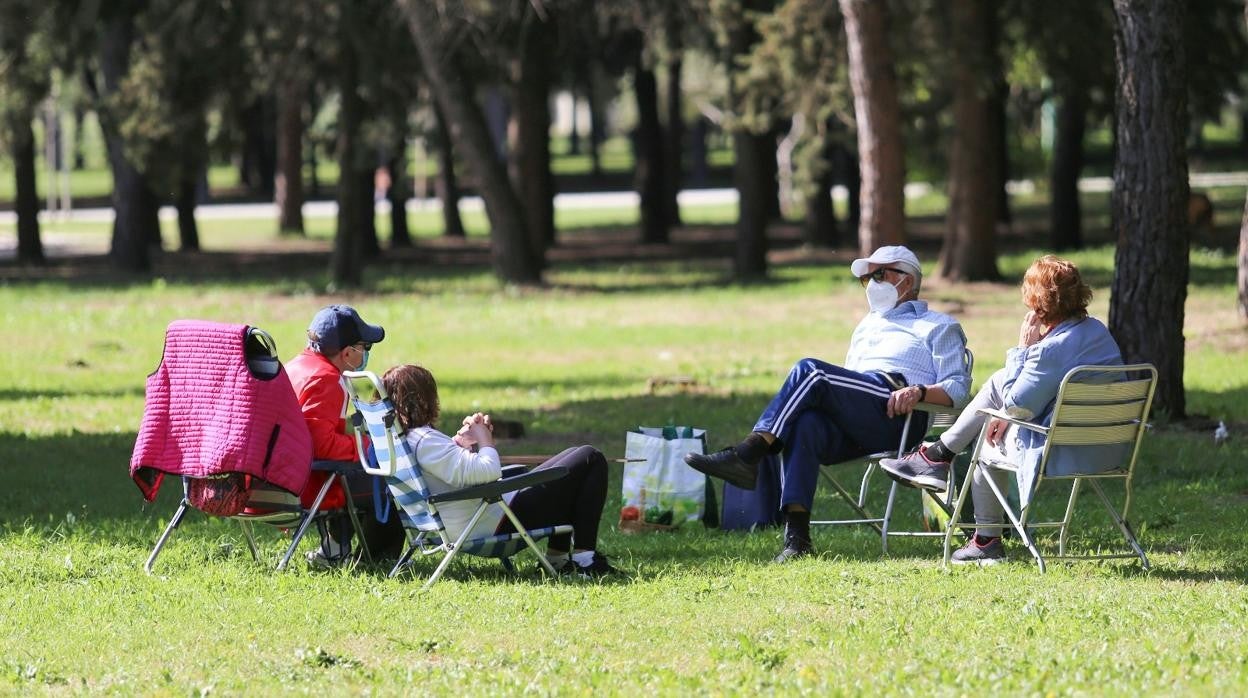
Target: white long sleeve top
<point>448,466</point>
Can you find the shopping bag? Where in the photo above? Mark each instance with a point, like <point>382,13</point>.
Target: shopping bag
<point>660,491</point>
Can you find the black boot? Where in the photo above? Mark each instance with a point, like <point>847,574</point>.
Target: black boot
<point>736,465</point>
<point>796,536</point>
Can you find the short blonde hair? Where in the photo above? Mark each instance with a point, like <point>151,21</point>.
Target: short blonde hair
<point>1053,288</point>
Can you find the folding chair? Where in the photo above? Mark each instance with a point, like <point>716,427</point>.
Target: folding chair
<point>276,507</point>
<point>1097,425</point>
<point>267,503</point>
<point>418,507</point>
<point>939,418</point>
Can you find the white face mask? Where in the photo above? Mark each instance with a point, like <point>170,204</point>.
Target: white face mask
<point>881,296</point>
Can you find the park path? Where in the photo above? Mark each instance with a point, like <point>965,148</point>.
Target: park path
<point>65,242</point>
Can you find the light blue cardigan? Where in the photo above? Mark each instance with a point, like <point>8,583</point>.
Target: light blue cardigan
<point>1033,376</point>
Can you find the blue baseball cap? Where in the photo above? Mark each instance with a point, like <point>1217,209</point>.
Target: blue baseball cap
<point>336,327</point>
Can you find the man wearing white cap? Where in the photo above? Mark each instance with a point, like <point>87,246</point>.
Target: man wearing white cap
<point>901,353</point>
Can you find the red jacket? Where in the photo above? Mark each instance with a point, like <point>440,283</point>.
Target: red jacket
<point>323,399</point>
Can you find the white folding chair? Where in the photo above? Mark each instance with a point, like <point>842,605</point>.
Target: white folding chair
<point>939,418</point>
<point>1099,420</point>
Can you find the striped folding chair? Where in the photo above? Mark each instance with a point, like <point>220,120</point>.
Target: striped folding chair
<point>1099,419</point>
<point>418,507</point>
<point>936,506</point>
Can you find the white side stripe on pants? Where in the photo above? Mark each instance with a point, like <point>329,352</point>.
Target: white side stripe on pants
<point>819,375</point>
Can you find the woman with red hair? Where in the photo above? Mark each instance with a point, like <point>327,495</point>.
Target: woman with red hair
<point>1056,335</point>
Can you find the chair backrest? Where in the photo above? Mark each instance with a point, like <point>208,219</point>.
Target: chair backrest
<point>1103,406</point>
<point>395,459</point>
<point>940,418</point>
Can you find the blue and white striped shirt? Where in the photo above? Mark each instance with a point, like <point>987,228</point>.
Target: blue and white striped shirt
<point>923,345</point>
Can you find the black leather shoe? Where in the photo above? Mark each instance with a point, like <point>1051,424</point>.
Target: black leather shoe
<point>794,549</point>
<point>727,466</point>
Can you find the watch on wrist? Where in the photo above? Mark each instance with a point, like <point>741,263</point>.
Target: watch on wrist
<point>922,392</point>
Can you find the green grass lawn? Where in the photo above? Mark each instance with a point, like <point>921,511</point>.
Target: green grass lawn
<point>696,612</point>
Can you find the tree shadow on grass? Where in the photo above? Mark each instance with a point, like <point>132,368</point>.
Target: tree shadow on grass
<point>50,477</point>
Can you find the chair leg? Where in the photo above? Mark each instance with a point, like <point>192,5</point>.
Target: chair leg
<point>1064,534</point>
<point>452,549</point>
<point>160,543</point>
<point>1017,523</point>
<point>355,522</point>
<point>249,536</point>
<point>955,516</point>
<point>849,499</point>
<point>524,533</point>
<point>888,517</point>
<point>404,559</point>
<point>307,521</point>
<point>1122,524</point>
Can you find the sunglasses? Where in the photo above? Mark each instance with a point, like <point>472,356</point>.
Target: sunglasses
<point>363,346</point>
<point>878,274</point>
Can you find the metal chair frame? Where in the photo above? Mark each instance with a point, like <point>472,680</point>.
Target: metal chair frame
<point>940,417</point>
<point>1085,414</point>
<point>431,538</point>
<point>283,510</point>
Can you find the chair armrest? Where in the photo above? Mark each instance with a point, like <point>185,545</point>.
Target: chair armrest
<point>510,471</point>
<point>1014,420</point>
<point>935,408</point>
<point>336,466</point>
<point>491,490</point>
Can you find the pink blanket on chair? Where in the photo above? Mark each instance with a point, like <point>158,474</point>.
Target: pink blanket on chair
<point>206,414</point>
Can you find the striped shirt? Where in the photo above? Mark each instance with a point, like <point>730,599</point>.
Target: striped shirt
<point>925,346</point>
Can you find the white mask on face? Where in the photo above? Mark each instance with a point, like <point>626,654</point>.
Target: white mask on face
<point>881,296</point>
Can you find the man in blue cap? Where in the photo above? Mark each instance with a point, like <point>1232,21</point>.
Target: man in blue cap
<point>338,340</point>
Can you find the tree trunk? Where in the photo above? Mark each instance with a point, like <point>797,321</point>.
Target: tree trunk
<point>597,122</point>
<point>447,184</point>
<point>1065,217</point>
<point>346,261</point>
<point>648,174</point>
<point>969,249</point>
<point>769,176</point>
<point>574,132</point>
<point>877,110</point>
<point>853,186</point>
<point>188,231</point>
<point>1150,195</point>
<point>259,163</point>
<point>529,136</point>
<point>397,194</point>
<point>752,150</point>
<point>998,99</point>
<point>26,200</point>
<point>513,258</point>
<point>80,160</point>
<point>288,187</point>
<point>819,229</point>
<point>674,136</point>
<point>1243,264</point>
<point>131,208</point>
<point>370,248</point>
<point>1243,226</point>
